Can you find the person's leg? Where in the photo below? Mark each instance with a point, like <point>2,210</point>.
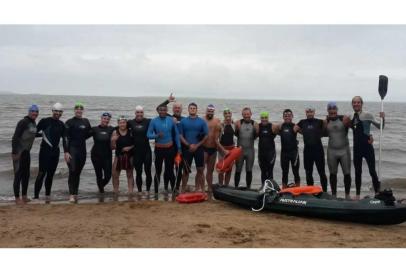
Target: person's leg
<point>169,175</point>
<point>285,169</point>
<point>358,170</point>
<point>295,161</point>
<point>308,161</point>
<point>25,176</point>
<point>17,179</point>
<point>116,176</point>
<point>210,163</point>
<point>333,168</point>
<point>187,163</point>
<point>199,161</point>
<point>98,169</point>
<point>138,162</point>
<point>370,159</point>
<point>346,167</point>
<point>107,171</point>
<point>249,164</point>
<point>238,169</point>
<point>272,164</point>
<point>321,168</point>
<point>147,168</point>
<point>81,164</point>
<point>130,180</point>
<point>53,164</point>
<point>43,160</point>
<point>263,163</point>
<point>158,168</point>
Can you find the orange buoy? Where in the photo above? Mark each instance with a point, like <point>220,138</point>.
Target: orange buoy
<point>295,191</point>
<point>226,164</point>
<point>191,197</point>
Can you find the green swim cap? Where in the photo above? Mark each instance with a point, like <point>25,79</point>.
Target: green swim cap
<point>79,105</point>
<point>264,114</point>
<point>226,110</point>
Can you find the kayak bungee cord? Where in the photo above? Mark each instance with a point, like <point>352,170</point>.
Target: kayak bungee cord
<point>268,186</point>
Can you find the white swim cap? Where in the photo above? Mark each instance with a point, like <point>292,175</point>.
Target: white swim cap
<point>57,107</point>
<point>139,108</point>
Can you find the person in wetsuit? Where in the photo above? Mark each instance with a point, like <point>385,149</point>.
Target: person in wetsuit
<point>77,131</point>
<point>246,131</point>
<point>52,130</point>
<point>193,132</point>
<point>100,154</point>
<point>227,143</point>
<point>266,147</point>
<point>361,125</point>
<point>21,145</point>
<point>122,142</point>
<point>142,149</point>
<point>338,150</point>
<point>177,116</point>
<point>163,130</point>
<point>313,153</point>
<point>289,151</point>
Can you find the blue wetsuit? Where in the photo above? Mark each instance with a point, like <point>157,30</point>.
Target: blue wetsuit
<point>164,148</point>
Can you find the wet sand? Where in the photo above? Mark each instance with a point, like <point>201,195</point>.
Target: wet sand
<point>169,224</point>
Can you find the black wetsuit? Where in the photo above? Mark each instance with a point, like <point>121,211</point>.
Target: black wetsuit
<point>313,152</point>
<point>361,123</point>
<point>21,144</point>
<point>142,151</point>
<point>227,136</point>
<point>77,131</point>
<point>289,153</point>
<point>52,132</point>
<point>266,151</point>
<point>101,155</point>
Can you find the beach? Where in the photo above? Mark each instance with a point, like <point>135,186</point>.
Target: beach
<point>160,224</point>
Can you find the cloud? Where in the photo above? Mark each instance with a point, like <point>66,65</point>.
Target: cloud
<point>241,61</point>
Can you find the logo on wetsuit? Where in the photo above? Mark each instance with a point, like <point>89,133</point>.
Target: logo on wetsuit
<point>82,126</point>
<point>291,201</point>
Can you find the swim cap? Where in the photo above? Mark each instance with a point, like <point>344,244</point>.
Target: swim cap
<point>33,108</point>
<point>139,109</point>
<point>106,114</point>
<point>264,114</point>
<point>310,108</point>
<point>211,107</point>
<point>226,110</point>
<point>122,117</point>
<point>57,107</point>
<point>331,105</point>
<point>79,105</point>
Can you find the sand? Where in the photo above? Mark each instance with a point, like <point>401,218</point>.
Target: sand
<point>169,224</point>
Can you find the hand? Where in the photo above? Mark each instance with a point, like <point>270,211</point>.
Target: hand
<point>114,136</point>
<point>126,149</point>
<point>382,114</point>
<point>171,98</point>
<point>226,152</point>
<point>68,157</point>
<point>192,148</point>
<point>15,157</point>
<point>371,140</point>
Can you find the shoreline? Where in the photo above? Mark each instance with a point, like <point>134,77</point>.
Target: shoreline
<point>159,224</point>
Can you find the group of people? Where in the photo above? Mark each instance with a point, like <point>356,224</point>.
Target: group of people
<point>179,140</point>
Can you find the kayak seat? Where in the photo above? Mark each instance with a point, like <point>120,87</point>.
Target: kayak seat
<point>296,191</point>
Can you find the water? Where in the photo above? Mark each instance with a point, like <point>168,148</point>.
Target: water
<point>14,107</point>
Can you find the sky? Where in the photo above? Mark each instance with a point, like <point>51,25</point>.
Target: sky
<point>301,62</point>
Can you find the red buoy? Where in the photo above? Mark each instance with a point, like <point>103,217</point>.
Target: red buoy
<point>191,197</point>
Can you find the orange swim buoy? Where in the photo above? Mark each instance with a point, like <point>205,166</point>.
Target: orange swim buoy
<point>191,197</point>
<point>295,191</point>
<point>226,164</point>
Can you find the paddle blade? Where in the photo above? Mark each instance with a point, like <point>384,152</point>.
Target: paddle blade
<point>383,86</point>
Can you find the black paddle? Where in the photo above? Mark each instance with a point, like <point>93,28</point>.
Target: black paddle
<point>382,89</point>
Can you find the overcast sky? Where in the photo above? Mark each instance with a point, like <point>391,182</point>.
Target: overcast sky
<point>270,62</point>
